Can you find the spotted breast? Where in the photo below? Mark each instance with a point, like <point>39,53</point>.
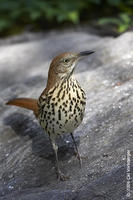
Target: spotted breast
<point>62,108</point>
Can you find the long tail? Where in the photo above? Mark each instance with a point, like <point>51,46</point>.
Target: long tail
<point>27,103</point>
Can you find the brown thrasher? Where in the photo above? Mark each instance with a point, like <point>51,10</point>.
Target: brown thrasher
<point>61,106</point>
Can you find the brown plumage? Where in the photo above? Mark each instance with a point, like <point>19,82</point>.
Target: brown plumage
<point>60,107</point>
<point>28,103</point>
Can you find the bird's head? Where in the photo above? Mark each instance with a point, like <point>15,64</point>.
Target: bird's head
<point>63,65</point>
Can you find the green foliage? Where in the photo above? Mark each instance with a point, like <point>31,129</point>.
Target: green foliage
<point>17,14</point>
<point>114,2</point>
<point>124,18</point>
<point>123,22</point>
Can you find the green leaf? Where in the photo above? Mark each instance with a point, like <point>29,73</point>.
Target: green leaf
<point>104,21</point>
<point>125,18</point>
<point>123,27</point>
<point>73,17</point>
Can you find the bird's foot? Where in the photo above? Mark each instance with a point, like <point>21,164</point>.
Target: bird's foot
<point>77,155</point>
<point>61,176</point>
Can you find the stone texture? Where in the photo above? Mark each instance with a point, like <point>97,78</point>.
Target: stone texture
<point>26,157</point>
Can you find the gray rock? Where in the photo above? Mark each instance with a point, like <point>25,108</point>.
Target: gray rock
<point>26,157</point>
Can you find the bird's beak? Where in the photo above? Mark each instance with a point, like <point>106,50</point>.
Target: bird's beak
<point>84,53</point>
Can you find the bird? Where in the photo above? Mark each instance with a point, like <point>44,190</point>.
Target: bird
<point>60,107</point>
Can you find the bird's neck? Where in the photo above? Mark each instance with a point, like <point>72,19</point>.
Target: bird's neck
<point>64,84</point>
<point>55,82</point>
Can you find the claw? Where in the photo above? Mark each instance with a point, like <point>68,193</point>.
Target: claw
<point>62,177</point>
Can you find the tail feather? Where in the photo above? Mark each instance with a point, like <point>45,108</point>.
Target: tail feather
<point>27,103</point>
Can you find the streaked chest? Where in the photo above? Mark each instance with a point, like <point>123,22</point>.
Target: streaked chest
<point>62,108</point>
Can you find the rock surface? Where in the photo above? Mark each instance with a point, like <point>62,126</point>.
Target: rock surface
<point>106,134</point>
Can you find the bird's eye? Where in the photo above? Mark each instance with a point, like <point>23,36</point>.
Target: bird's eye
<point>66,60</point>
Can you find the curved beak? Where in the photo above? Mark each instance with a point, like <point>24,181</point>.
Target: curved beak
<point>84,53</point>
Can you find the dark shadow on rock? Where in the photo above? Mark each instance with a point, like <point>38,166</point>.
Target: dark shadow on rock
<point>39,194</point>
<point>24,126</point>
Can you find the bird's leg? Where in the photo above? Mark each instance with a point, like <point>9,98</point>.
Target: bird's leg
<point>60,175</point>
<point>77,150</point>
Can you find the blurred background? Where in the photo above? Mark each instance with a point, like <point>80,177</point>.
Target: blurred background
<point>17,16</point>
